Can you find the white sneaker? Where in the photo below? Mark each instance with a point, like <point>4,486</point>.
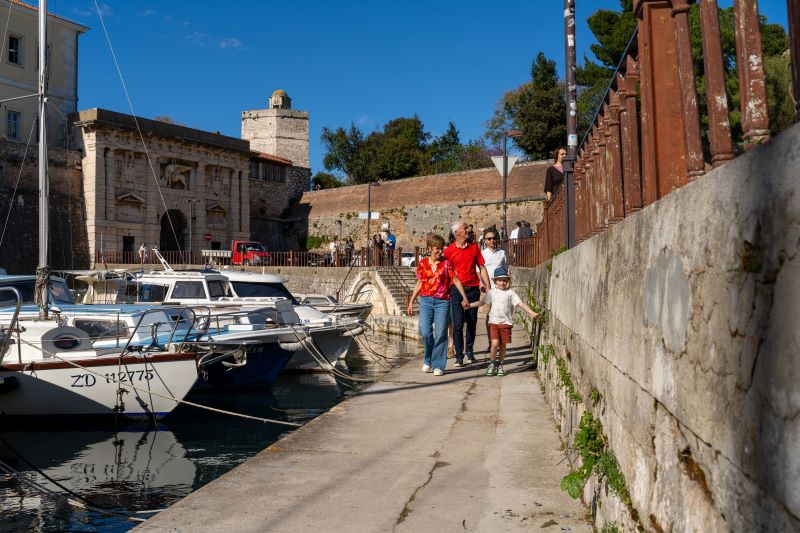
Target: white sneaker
<point>458,365</point>
<point>438,372</point>
<point>426,368</point>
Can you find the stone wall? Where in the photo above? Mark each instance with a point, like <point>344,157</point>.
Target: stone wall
<point>414,207</point>
<point>683,318</point>
<point>19,248</point>
<point>269,203</point>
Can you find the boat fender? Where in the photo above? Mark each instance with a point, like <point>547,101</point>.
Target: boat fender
<point>291,346</point>
<point>356,331</point>
<point>8,384</point>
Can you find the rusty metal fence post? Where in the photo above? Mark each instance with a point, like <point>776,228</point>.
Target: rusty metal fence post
<point>750,64</point>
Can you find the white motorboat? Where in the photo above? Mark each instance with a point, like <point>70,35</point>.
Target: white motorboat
<point>253,284</point>
<point>332,335</point>
<point>49,369</point>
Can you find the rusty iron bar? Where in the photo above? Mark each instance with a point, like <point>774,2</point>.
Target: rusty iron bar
<point>615,158</point>
<point>629,125</point>
<point>691,115</point>
<point>793,9</point>
<point>750,64</point>
<point>719,126</point>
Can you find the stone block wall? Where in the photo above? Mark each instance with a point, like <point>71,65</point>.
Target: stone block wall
<point>414,207</point>
<point>19,192</point>
<point>683,318</point>
<point>269,203</point>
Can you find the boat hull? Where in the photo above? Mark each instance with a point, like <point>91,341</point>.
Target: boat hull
<point>331,343</point>
<point>265,362</point>
<point>55,388</point>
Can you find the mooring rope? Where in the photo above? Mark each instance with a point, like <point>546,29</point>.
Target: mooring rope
<point>184,402</point>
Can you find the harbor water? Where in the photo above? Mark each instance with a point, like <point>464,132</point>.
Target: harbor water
<point>62,474</point>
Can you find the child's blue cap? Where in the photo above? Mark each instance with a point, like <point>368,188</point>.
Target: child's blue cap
<point>500,272</point>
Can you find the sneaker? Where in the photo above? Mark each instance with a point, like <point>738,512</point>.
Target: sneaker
<point>469,360</point>
<point>426,368</point>
<point>458,364</point>
<point>491,370</point>
<point>500,371</point>
<point>438,372</point>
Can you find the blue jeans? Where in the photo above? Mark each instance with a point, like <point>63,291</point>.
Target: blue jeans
<point>463,316</point>
<point>433,321</point>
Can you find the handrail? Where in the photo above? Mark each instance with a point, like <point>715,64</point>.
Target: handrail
<point>14,318</point>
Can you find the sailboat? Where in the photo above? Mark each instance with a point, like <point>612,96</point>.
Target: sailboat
<point>57,372</point>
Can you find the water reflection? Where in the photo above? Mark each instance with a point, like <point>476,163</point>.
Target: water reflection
<point>142,468</point>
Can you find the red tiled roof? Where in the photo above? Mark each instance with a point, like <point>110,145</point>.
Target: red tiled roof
<point>272,158</point>
<point>26,5</point>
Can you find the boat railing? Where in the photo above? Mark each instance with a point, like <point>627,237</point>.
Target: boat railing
<point>5,334</point>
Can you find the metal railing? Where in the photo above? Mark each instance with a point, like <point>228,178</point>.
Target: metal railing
<point>356,257</point>
<point>645,139</point>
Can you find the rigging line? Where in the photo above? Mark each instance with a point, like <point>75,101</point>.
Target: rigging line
<point>89,504</point>
<point>138,129</point>
<point>152,393</point>
<point>16,184</point>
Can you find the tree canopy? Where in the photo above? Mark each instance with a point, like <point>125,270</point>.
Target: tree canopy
<point>535,107</point>
<point>401,149</point>
<point>326,180</point>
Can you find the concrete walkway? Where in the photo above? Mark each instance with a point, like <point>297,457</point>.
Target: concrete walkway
<point>414,452</point>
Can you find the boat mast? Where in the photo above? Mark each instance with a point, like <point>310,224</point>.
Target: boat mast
<point>43,271</point>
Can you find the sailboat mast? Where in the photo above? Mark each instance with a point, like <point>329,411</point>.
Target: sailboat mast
<point>43,272</point>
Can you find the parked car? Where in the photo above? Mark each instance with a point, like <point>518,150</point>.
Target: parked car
<point>408,259</point>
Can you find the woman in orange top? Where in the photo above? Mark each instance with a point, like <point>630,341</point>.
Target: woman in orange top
<point>435,276</point>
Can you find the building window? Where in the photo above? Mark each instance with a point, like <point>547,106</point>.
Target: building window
<point>13,125</point>
<point>15,50</point>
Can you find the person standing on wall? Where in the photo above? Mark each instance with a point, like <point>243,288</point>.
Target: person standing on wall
<point>143,253</point>
<point>468,261</point>
<point>555,174</point>
<point>494,258</point>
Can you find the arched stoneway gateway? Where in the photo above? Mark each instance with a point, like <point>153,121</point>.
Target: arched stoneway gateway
<point>172,235</point>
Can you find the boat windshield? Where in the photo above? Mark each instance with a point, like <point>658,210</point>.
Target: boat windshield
<point>219,289</point>
<point>249,289</point>
<point>59,292</point>
<point>255,247</point>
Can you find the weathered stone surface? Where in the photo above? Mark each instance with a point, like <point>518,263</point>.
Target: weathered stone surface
<point>683,316</point>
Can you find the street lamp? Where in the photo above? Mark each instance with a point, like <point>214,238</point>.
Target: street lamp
<point>506,135</point>
<point>369,216</point>
<point>191,202</point>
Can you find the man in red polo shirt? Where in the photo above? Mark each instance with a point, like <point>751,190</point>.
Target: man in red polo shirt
<point>467,259</point>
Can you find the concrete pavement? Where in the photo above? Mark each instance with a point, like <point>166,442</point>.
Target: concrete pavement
<point>413,452</point>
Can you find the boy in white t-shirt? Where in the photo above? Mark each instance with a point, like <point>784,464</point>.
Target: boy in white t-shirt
<point>502,301</point>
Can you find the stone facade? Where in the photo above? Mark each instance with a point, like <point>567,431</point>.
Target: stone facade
<point>278,130</point>
<point>19,204</point>
<point>414,207</point>
<point>19,72</point>
<point>683,318</point>
<point>197,177</point>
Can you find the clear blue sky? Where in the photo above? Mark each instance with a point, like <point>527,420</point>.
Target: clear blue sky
<point>203,62</point>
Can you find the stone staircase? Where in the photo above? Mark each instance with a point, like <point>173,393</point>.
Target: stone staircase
<point>400,282</point>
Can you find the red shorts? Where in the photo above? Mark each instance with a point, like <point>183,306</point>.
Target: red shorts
<point>501,332</point>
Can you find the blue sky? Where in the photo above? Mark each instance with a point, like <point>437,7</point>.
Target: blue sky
<point>203,62</point>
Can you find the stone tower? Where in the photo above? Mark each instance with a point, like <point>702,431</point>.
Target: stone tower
<point>278,130</point>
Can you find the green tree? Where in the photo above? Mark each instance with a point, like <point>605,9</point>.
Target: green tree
<point>326,180</point>
<point>535,107</point>
<point>342,149</point>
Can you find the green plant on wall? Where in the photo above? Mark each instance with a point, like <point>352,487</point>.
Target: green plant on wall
<point>592,445</point>
<point>316,241</point>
